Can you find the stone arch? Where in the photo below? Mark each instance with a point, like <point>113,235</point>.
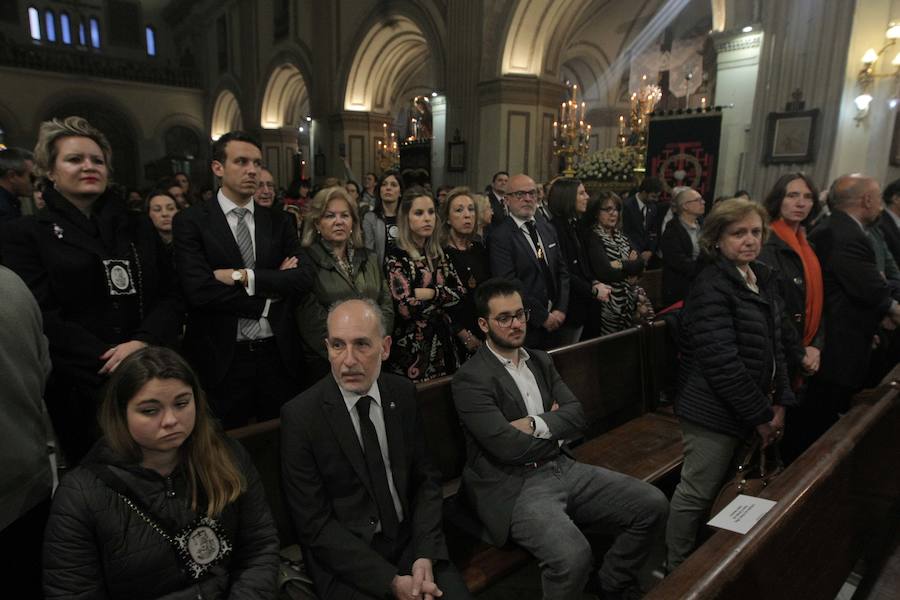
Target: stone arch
<point>586,63</point>
<point>114,120</point>
<point>226,114</point>
<point>389,54</point>
<point>537,32</point>
<point>286,98</point>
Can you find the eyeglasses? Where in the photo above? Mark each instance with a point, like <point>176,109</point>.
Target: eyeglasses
<point>520,195</point>
<point>610,209</point>
<point>505,320</point>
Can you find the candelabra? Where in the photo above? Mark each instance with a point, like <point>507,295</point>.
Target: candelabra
<point>571,136</point>
<point>387,153</point>
<point>643,102</point>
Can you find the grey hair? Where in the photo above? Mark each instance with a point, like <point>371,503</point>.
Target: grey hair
<point>679,200</point>
<point>371,304</point>
<point>13,159</point>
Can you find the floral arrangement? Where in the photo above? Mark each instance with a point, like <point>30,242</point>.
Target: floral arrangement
<point>609,164</point>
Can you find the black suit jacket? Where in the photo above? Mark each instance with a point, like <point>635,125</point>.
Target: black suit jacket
<point>679,267</point>
<point>329,493</point>
<point>891,234</point>
<point>643,232</point>
<point>203,243</point>
<point>59,254</point>
<point>487,400</point>
<point>512,257</point>
<point>581,296</point>
<point>857,297</point>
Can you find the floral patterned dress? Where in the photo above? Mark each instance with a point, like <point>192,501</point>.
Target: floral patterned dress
<point>423,345</point>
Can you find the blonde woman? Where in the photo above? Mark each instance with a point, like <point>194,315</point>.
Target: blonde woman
<point>423,284</point>
<point>344,268</point>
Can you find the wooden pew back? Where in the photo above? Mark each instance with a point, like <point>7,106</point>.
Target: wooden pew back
<point>830,500</point>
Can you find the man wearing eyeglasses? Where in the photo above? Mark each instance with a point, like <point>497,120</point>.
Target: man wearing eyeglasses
<point>16,179</point>
<point>524,248</point>
<point>520,478</point>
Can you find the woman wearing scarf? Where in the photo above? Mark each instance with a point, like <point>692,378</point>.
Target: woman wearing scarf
<point>792,206</point>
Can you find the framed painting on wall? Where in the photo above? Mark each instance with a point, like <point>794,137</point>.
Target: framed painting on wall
<point>790,137</point>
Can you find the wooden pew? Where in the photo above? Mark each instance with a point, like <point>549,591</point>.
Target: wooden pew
<point>829,503</point>
<point>614,378</point>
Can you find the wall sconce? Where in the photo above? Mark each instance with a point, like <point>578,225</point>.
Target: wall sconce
<point>865,79</point>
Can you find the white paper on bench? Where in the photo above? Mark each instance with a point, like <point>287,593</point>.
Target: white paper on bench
<point>742,513</point>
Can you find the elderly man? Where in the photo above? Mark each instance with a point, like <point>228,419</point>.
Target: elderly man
<point>679,245</point>
<point>16,178</point>
<point>365,500</point>
<point>524,248</point>
<point>857,299</point>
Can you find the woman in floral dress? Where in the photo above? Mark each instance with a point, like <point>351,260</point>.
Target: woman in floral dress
<point>423,284</point>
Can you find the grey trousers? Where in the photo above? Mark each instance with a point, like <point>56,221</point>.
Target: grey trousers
<point>709,458</point>
<point>562,497</point>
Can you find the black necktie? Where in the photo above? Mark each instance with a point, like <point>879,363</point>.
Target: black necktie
<point>542,259</point>
<point>377,472</point>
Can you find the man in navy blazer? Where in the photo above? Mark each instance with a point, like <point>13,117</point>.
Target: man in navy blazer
<point>238,268</point>
<point>369,521</point>
<point>525,486</point>
<point>524,248</point>
<point>641,219</point>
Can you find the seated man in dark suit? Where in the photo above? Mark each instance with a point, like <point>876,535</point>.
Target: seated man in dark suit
<point>524,248</point>
<point>517,413</point>
<point>641,220</point>
<point>238,268</point>
<point>857,299</point>
<point>365,500</point>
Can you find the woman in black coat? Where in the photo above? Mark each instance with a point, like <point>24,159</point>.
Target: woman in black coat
<point>164,505</point>
<point>733,379</point>
<point>568,201</point>
<point>100,273</point>
<point>680,246</point>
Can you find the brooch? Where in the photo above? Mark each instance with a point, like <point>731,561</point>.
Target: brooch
<point>57,231</point>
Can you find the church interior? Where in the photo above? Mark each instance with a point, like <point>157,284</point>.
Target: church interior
<point>720,96</point>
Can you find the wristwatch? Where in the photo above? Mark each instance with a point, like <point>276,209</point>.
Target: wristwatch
<point>237,276</point>
<point>532,423</point>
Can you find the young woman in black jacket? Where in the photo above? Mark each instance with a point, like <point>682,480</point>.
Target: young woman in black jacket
<point>733,379</point>
<point>164,505</point>
<point>568,202</point>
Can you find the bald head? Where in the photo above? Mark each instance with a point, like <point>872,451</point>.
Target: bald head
<point>521,196</point>
<point>858,196</point>
<point>356,344</point>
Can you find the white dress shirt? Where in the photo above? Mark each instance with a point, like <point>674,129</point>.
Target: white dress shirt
<point>227,206</point>
<point>529,389</point>
<point>376,415</point>
<point>520,223</point>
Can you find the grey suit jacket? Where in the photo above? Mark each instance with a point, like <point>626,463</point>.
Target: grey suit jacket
<point>374,236</point>
<point>487,400</point>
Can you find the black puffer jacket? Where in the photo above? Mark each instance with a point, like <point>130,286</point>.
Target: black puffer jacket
<point>731,351</point>
<point>95,546</point>
<point>792,289</point>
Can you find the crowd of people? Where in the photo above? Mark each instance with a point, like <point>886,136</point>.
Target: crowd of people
<point>175,316</point>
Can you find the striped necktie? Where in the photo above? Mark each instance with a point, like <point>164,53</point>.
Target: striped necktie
<point>248,327</point>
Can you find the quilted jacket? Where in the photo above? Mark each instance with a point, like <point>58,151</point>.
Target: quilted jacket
<point>732,353</point>
<point>95,546</point>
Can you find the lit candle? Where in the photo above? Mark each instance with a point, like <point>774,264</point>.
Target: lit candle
<point>621,125</point>
<point>555,130</point>
<point>703,102</point>
<point>575,93</point>
<point>582,111</point>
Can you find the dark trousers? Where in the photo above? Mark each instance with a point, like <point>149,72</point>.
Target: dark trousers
<point>257,383</point>
<point>21,545</point>
<point>400,554</point>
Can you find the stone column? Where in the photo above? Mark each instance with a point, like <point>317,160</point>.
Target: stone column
<point>737,63</point>
<point>516,115</point>
<point>439,141</point>
<point>805,47</point>
<point>464,55</point>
